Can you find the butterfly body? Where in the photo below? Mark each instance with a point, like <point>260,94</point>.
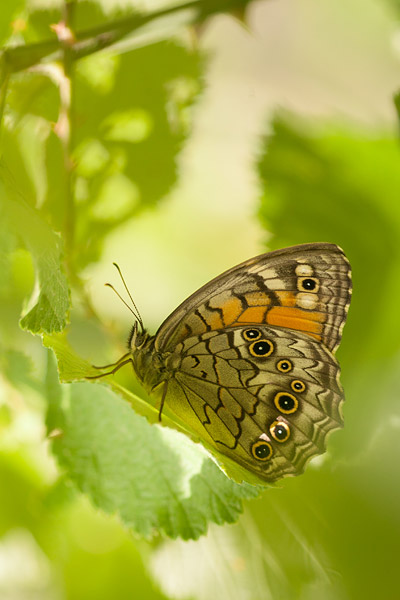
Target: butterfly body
<point>248,360</point>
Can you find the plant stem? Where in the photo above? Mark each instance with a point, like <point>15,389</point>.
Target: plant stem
<point>94,39</point>
<point>65,130</point>
<point>4,79</point>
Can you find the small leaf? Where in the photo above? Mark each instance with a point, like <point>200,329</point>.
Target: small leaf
<point>25,223</point>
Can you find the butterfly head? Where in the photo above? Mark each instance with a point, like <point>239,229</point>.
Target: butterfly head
<point>137,337</point>
<point>145,361</point>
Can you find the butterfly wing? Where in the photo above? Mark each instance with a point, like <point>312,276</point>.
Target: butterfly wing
<point>265,396</point>
<point>305,288</point>
<point>247,361</point>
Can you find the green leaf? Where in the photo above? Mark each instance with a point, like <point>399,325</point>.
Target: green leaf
<point>72,368</point>
<point>134,115</point>
<point>34,94</point>
<point>153,476</point>
<point>21,220</point>
<point>332,185</point>
<point>18,368</point>
<point>131,117</point>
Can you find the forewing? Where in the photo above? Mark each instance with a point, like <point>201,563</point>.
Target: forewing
<point>305,288</point>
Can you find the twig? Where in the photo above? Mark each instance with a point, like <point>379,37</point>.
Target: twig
<point>64,127</point>
<point>94,39</point>
<point>4,79</point>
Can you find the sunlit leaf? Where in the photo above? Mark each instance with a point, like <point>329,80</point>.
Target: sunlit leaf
<point>154,477</point>
<point>73,368</point>
<point>50,311</point>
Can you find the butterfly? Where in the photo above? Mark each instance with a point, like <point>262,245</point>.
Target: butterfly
<point>248,360</point>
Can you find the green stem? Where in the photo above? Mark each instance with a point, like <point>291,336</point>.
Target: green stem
<point>65,134</point>
<point>4,79</point>
<point>94,39</point>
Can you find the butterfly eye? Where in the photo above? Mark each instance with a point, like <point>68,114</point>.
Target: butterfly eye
<point>280,431</point>
<point>308,284</point>
<point>261,450</point>
<point>262,348</point>
<point>297,385</point>
<point>251,334</point>
<point>284,366</point>
<point>286,403</point>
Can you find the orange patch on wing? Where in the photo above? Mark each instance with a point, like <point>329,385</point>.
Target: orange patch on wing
<point>231,310</point>
<point>214,320</point>
<point>257,299</point>
<point>254,314</point>
<point>314,335</point>
<point>286,298</point>
<point>295,318</point>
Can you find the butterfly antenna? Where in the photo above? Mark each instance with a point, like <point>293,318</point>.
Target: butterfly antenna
<point>122,300</point>
<point>137,314</point>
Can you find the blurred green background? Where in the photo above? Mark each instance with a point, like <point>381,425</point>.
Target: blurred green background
<point>192,148</point>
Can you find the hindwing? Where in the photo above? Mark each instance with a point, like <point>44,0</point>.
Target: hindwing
<point>265,396</point>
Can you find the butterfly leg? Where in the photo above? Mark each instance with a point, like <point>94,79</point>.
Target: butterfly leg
<point>116,366</point>
<point>163,400</point>
<point>101,367</point>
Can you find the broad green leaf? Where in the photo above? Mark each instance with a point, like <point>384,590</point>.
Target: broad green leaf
<point>22,221</point>
<point>336,186</point>
<point>133,115</point>
<point>35,94</point>
<point>73,368</point>
<point>154,477</point>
